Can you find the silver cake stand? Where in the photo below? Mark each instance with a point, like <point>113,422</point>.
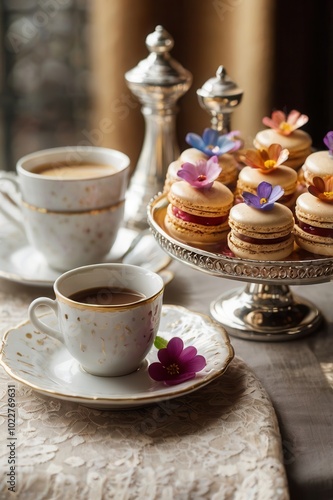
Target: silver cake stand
<point>265,309</point>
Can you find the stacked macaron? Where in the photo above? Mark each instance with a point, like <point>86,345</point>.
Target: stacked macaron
<point>227,162</point>
<point>320,163</point>
<point>284,131</point>
<point>210,144</point>
<point>314,217</point>
<point>199,205</point>
<point>261,229</point>
<point>267,165</point>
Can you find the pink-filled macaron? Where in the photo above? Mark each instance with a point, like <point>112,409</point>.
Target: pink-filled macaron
<point>199,205</point>
<point>197,216</point>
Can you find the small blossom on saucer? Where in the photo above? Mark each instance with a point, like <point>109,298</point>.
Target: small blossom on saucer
<point>176,363</point>
<point>328,141</point>
<point>202,174</point>
<point>285,124</point>
<point>266,159</point>
<point>265,198</point>
<point>322,189</point>
<point>211,143</point>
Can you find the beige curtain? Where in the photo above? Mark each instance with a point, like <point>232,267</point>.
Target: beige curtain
<point>234,33</point>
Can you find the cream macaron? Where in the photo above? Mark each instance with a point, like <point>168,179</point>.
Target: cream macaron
<point>284,131</point>
<point>314,225</point>
<point>298,144</point>
<point>268,165</point>
<point>227,162</point>
<point>261,230</point>
<point>214,143</point>
<point>283,176</point>
<point>319,164</point>
<point>198,210</point>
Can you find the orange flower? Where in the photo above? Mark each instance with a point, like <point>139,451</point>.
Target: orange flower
<point>322,189</point>
<point>284,124</point>
<point>266,159</point>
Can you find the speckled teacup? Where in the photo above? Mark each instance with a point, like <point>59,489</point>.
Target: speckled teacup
<point>69,201</point>
<point>70,239</point>
<point>106,340</point>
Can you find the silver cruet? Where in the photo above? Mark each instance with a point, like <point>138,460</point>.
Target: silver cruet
<point>158,81</point>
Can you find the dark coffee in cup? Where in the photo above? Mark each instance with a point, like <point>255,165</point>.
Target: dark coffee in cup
<point>108,296</point>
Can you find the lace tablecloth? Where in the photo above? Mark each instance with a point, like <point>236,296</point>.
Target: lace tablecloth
<point>221,442</point>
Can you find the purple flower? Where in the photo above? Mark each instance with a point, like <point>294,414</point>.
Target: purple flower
<point>212,144</point>
<point>202,174</point>
<point>265,198</point>
<point>176,363</point>
<point>328,140</point>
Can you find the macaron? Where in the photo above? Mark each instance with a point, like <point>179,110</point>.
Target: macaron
<point>319,164</point>
<point>298,144</point>
<point>284,176</point>
<point>261,234</point>
<point>171,175</point>
<point>227,162</point>
<point>314,225</point>
<point>198,216</point>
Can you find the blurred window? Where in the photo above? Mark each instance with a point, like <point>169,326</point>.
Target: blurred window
<point>44,86</point>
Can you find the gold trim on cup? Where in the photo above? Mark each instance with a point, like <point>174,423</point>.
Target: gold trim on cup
<point>92,211</point>
<point>107,308</point>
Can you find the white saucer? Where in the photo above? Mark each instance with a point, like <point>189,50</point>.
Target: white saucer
<point>44,364</point>
<point>21,263</point>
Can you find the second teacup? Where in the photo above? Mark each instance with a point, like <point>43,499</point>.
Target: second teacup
<point>70,179</point>
<point>72,239</point>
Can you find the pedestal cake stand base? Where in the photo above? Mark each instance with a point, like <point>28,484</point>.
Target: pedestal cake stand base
<point>266,313</point>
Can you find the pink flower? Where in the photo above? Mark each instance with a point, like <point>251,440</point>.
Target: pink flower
<point>202,174</point>
<point>322,189</point>
<point>267,159</point>
<point>284,124</point>
<point>176,363</point>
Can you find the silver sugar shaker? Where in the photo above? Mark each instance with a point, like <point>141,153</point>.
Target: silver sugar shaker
<point>219,96</point>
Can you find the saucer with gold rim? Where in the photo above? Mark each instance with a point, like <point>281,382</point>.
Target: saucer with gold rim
<point>44,364</point>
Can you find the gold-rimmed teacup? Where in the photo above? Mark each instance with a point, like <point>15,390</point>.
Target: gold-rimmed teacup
<point>108,334</point>
<point>69,201</point>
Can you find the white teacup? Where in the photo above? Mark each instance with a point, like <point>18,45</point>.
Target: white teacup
<point>106,338</point>
<point>67,179</point>
<point>69,201</point>
<point>72,239</point>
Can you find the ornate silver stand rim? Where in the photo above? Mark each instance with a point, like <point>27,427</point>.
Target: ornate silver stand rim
<point>265,310</point>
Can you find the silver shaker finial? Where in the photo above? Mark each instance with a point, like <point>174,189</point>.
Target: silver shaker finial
<point>158,81</point>
<point>219,96</point>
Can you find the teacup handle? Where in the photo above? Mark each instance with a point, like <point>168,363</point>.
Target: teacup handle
<point>40,325</point>
<point>13,198</point>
